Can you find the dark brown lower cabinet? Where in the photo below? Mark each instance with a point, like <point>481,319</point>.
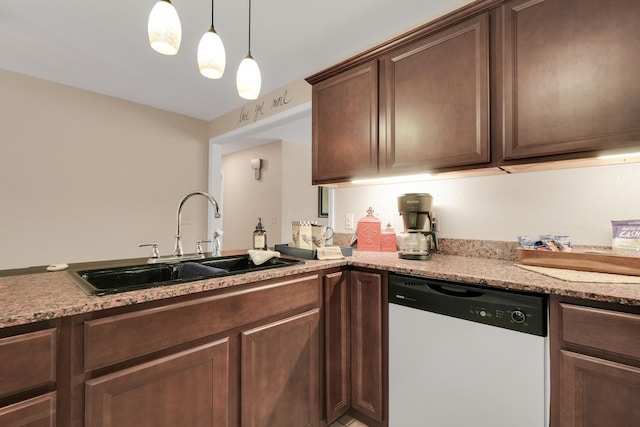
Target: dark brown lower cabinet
<point>28,375</point>
<point>368,360</point>
<point>189,388</point>
<point>355,316</point>
<point>36,412</point>
<point>280,373</point>
<point>337,347</point>
<point>28,361</point>
<point>598,392</point>
<point>244,356</point>
<point>595,364</point>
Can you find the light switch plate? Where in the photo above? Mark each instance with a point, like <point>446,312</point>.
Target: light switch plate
<point>348,222</point>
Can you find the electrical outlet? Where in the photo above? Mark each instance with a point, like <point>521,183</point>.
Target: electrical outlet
<point>348,222</point>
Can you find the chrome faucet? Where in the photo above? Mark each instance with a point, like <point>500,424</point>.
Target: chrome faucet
<point>177,250</point>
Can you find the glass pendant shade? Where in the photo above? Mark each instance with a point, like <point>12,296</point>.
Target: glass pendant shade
<point>211,56</point>
<point>165,31</point>
<point>248,79</point>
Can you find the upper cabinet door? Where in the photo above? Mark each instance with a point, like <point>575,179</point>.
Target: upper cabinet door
<point>570,76</point>
<point>436,100</point>
<point>345,125</point>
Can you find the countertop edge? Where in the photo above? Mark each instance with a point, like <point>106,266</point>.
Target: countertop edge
<point>32,298</point>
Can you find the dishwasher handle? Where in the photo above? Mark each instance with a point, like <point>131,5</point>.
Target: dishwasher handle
<point>455,291</point>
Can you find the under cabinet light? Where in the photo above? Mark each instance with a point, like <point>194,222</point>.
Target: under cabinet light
<point>393,179</point>
<point>618,156</point>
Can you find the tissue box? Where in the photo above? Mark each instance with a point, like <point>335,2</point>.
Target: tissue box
<point>302,234</point>
<point>626,237</point>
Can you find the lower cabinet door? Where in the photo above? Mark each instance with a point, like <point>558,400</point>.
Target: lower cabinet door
<point>37,412</point>
<point>596,392</point>
<point>189,388</point>
<point>280,373</point>
<point>337,339</point>
<point>367,369</point>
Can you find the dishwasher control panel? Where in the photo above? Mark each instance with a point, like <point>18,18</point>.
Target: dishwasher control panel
<point>506,309</point>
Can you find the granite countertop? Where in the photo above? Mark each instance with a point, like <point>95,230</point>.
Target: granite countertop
<point>27,298</point>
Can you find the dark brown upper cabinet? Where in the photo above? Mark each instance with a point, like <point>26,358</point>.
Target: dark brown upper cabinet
<point>345,125</point>
<point>570,76</point>
<point>419,107</point>
<point>435,100</point>
<point>494,83</point>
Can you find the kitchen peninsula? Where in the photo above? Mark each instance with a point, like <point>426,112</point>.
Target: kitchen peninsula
<point>240,331</point>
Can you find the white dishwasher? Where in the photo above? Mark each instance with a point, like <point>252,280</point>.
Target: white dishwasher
<point>462,355</point>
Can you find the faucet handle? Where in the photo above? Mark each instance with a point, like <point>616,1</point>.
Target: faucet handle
<point>154,252</point>
<point>199,250</point>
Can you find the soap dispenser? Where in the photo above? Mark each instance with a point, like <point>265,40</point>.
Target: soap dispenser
<point>260,236</point>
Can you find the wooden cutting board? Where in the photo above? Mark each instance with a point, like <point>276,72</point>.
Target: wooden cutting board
<point>583,261</point>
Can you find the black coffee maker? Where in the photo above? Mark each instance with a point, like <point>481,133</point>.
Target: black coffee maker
<point>419,239</point>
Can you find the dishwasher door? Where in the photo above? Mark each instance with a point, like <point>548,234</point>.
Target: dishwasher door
<point>449,372</point>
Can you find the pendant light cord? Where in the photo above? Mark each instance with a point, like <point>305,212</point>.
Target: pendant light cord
<point>249,27</point>
<point>212,6</point>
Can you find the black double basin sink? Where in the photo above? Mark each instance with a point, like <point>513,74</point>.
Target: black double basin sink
<point>103,281</point>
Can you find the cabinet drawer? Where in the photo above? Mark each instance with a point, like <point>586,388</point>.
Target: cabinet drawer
<point>122,337</point>
<point>37,412</point>
<point>28,361</point>
<point>611,331</point>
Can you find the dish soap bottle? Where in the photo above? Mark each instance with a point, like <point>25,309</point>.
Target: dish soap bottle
<point>260,236</point>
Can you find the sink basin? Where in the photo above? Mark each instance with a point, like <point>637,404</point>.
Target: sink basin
<point>113,280</point>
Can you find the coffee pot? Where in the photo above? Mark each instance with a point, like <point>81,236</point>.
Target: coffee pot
<point>418,241</point>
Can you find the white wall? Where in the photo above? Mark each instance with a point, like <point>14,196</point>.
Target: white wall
<point>87,177</point>
<point>283,193</point>
<point>245,198</point>
<point>577,202</point>
<point>299,197</point>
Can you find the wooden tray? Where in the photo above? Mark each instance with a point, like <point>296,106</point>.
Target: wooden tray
<point>583,261</point>
<point>285,249</point>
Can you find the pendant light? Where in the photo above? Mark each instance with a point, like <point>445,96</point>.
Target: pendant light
<point>164,28</point>
<point>248,80</point>
<point>211,56</point>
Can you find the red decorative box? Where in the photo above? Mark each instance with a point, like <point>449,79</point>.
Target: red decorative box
<point>369,233</point>
<point>388,242</point>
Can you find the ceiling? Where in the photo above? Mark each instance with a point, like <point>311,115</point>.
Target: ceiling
<point>102,46</point>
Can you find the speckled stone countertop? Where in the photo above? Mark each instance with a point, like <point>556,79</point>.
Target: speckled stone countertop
<point>30,298</point>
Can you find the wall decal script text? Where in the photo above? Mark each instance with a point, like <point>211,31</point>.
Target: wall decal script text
<point>247,115</point>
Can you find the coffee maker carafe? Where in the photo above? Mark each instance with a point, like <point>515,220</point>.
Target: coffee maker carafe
<point>419,240</point>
